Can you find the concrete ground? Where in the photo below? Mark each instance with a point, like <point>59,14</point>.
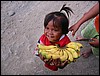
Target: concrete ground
<point>21,27</point>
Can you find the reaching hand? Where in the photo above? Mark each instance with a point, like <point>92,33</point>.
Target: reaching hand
<point>94,42</point>
<point>74,28</point>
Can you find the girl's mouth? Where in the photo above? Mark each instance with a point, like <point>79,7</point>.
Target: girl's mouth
<point>50,36</point>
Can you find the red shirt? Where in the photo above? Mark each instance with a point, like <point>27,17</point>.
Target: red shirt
<point>62,42</point>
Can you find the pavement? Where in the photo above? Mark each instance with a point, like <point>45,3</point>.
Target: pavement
<point>21,27</point>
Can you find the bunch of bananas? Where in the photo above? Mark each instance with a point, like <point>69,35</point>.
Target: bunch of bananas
<point>69,52</point>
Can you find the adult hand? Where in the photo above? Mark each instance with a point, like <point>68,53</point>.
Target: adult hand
<point>94,42</point>
<point>74,28</point>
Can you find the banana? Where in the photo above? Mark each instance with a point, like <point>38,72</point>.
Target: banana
<point>70,52</point>
<point>44,53</point>
<point>73,45</point>
<point>79,44</point>
<point>40,51</point>
<point>70,57</point>
<point>61,52</point>
<point>41,46</point>
<point>64,57</point>
<point>78,52</point>
<point>73,52</point>
<point>57,52</point>
<point>54,50</point>
<point>49,55</point>
<point>54,56</point>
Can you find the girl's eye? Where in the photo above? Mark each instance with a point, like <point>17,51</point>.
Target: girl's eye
<point>55,30</point>
<point>47,28</point>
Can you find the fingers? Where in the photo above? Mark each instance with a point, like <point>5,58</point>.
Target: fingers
<point>72,30</point>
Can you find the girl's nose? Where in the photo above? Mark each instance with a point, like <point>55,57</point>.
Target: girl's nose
<point>50,32</point>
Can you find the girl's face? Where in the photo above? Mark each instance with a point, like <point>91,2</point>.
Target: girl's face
<point>52,33</point>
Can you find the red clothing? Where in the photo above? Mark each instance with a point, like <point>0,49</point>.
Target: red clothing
<point>62,42</point>
<point>65,40</point>
<point>96,23</point>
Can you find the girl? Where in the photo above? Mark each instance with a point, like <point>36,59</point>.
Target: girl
<point>55,29</point>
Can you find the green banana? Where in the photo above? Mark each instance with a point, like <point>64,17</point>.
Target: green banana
<point>44,53</point>
<point>49,56</point>
<point>39,51</point>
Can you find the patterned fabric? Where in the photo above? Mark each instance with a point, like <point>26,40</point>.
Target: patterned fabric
<point>89,32</point>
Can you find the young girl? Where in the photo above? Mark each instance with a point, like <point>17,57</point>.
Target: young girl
<point>55,29</point>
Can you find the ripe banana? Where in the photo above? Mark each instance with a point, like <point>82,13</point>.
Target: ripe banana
<point>73,45</point>
<point>53,50</point>
<point>39,51</point>
<point>70,57</point>
<point>73,52</point>
<point>41,46</point>
<point>54,56</point>
<point>44,53</point>
<point>49,55</point>
<point>61,52</point>
<point>79,44</point>
<point>70,52</point>
<point>64,57</point>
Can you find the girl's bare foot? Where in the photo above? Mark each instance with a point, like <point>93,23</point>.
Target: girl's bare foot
<point>87,53</point>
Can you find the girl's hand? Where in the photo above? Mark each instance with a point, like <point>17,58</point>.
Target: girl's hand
<point>63,64</point>
<point>41,57</point>
<point>94,42</point>
<point>48,61</point>
<point>60,64</point>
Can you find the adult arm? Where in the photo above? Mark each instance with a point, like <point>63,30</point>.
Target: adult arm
<point>93,12</point>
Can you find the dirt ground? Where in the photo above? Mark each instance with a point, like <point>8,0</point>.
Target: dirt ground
<point>21,27</point>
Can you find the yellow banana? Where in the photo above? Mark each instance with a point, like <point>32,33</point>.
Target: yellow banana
<point>41,46</point>
<point>44,53</point>
<point>57,52</point>
<point>79,44</point>
<point>64,57</point>
<point>54,50</point>
<point>70,57</point>
<point>61,52</point>
<point>78,52</point>
<point>73,52</point>
<point>49,55</point>
<point>73,45</point>
<point>54,56</point>
<point>40,51</point>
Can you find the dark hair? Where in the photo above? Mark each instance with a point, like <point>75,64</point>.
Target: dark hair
<point>59,19</point>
